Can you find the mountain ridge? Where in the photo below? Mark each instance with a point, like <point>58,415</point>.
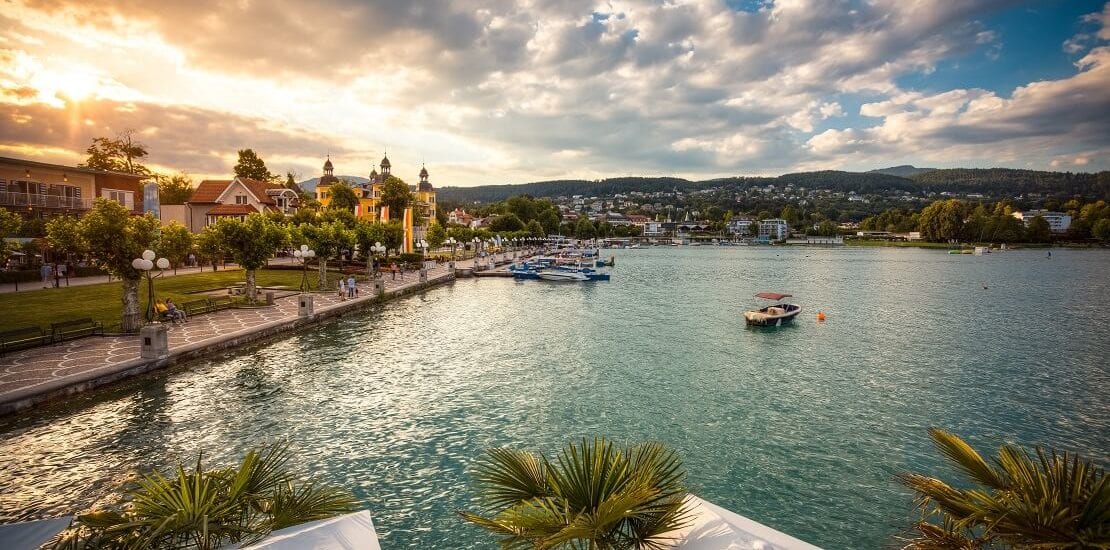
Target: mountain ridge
<point>992,181</point>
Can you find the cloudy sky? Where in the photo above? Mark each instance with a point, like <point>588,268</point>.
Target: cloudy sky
<point>511,91</point>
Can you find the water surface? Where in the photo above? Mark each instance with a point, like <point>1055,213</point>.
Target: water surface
<point>802,428</point>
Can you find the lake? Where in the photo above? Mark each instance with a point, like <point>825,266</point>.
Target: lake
<point>802,428</point>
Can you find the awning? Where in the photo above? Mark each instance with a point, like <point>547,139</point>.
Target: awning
<point>772,295</point>
<point>714,528</point>
<point>30,535</point>
<point>350,532</point>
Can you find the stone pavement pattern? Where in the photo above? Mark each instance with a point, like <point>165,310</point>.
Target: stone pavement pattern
<point>26,369</point>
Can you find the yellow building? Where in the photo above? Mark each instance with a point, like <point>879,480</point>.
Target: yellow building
<point>369,207</point>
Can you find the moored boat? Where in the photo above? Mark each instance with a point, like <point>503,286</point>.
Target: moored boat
<point>773,315</point>
<point>562,276</point>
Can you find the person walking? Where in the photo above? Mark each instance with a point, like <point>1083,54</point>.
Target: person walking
<point>342,289</point>
<point>352,290</point>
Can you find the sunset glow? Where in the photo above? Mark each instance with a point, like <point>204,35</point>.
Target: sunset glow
<point>524,91</point>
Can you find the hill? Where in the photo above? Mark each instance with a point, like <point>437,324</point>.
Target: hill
<point>903,171</point>
<point>988,181</point>
<point>309,186</point>
<point>1016,182</point>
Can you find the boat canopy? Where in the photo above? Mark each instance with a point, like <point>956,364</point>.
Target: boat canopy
<point>772,295</point>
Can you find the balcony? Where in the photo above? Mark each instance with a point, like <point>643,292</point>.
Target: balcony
<point>16,199</point>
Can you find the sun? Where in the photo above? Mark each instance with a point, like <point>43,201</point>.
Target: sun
<point>73,84</point>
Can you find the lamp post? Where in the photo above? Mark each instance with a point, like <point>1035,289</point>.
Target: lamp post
<point>376,249</point>
<point>145,264</point>
<point>451,241</point>
<point>475,246</point>
<point>303,254</point>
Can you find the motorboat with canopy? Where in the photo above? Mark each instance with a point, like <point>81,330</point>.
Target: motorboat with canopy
<point>772,315</point>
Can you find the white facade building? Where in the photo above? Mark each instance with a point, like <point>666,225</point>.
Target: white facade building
<point>775,229</point>
<point>1058,222</point>
<point>740,225</point>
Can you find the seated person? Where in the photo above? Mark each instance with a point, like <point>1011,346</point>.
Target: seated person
<point>173,312</point>
<point>161,308</point>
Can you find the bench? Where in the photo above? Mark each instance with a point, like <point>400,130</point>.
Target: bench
<point>194,307</point>
<point>26,337</point>
<point>216,304</point>
<point>76,328</point>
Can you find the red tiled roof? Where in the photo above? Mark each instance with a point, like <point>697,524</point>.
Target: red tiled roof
<point>259,189</point>
<point>232,210</point>
<point>209,190</point>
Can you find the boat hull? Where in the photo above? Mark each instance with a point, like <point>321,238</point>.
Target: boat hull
<point>561,277</point>
<point>772,316</point>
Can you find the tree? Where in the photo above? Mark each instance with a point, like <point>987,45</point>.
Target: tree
<point>594,495</point>
<point>10,223</point>
<point>121,154</point>
<point>535,229</point>
<point>175,189</point>
<point>291,183</point>
<point>1101,230</point>
<point>1019,499</point>
<point>328,240</point>
<point>208,509</point>
<point>549,219</point>
<point>1038,231</point>
<point>251,166</point>
<point>506,223</point>
<point>397,196</point>
<point>941,221</point>
<point>63,234</point>
<point>585,229</point>
<point>210,246</point>
<point>114,238</point>
<point>343,197</point>
<point>251,243</point>
<point>826,229</point>
<point>176,244</point>
<point>436,235</point>
<point>393,235</point>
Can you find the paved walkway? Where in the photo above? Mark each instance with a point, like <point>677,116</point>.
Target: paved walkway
<point>51,368</point>
<point>21,373</point>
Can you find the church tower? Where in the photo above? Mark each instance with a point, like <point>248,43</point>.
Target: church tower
<point>385,167</point>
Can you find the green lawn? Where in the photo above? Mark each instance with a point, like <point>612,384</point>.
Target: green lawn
<point>103,301</point>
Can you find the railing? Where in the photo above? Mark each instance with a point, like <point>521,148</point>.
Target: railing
<point>8,198</point>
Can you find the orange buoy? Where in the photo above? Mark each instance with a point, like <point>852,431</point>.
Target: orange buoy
<point>820,315</point>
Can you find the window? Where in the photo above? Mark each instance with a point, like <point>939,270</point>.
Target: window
<point>126,198</point>
<point>240,199</point>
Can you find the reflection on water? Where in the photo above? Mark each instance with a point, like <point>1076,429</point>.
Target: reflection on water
<point>800,427</point>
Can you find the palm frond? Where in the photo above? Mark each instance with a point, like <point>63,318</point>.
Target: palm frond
<point>1042,499</point>
<point>960,454</point>
<point>506,477</point>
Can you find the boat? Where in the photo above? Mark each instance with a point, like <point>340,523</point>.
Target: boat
<point>562,276</point>
<point>773,315</point>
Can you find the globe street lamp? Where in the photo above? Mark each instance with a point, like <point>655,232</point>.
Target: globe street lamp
<point>376,249</point>
<point>145,264</point>
<point>451,241</point>
<point>303,254</point>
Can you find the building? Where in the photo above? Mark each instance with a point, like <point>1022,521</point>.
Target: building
<point>370,207</point>
<point>460,217</point>
<point>1058,222</point>
<point>234,198</point>
<point>41,190</point>
<point>774,229</point>
<point>741,225</point>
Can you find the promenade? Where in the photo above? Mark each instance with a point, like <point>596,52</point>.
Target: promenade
<point>36,375</point>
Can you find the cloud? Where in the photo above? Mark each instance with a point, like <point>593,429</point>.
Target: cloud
<point>515,89</point>
<point>976,123</point>
<point>176,137</point>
